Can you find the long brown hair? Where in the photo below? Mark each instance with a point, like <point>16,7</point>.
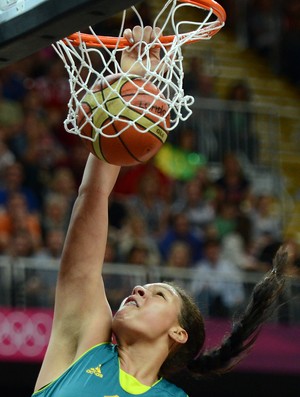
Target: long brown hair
<point>244,331</point>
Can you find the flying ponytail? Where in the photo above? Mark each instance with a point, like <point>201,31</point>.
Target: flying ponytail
<point>245,329</point>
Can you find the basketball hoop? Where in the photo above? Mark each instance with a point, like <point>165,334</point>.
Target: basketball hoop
<point>90,58</point>
<point>206,29</point>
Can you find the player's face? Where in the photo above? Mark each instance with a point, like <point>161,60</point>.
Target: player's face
<point>151,310</point>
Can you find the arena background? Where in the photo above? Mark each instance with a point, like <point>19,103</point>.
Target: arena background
<point>267,62</point>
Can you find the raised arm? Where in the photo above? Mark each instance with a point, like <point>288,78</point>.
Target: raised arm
<point>82,316</point>
<point>80,292</point>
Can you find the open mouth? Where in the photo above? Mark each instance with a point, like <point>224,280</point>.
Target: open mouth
<point>131,302</point>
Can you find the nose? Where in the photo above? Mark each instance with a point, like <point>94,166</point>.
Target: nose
<point>139,290</point>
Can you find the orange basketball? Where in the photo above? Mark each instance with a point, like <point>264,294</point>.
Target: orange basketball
<point>131,105</point>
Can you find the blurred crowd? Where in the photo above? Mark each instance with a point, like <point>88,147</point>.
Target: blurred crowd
<point>163,213</point>
<point>272,29</point>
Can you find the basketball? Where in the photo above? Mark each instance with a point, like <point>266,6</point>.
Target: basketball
<point>132,105</point>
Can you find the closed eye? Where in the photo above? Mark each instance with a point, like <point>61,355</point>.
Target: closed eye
<point>159,293</point>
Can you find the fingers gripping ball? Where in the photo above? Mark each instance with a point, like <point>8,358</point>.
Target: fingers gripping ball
<point>133,106</point>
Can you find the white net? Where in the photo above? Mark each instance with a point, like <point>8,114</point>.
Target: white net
<point>90,59</point>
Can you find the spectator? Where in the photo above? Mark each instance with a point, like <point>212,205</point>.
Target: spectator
<point>217,283</point>
<point>138,254</point>
<point>7,157</point>
<point>40,144</point>
<point>129,179</point>
<point>40,283</point>
<point>59,198</point>
<point>11,113</point>
<point>63,183</point>
<point>264,249</point>
<point>117,211</point>
<point>264,25</point>
<point>39,151</point>
<point>33,104</point>
<point>147,203</point>
<point>239,136</point>
<point>53,86</point>
<point>181,230</point>
<point>17,218</point>
<point>208,187</point>
<point>237,244</point>
<point>12,79</point>
<point>112,254</point>
<point>52,248</point>
<point>225,220</point>
<point>14,182</point>
<point>20,245</point>
<point>265,217</point>
<point>197,82</point>
<point>199,210</point>
<point>135,232</point>
<point>55,213</point>
<point>77,155</point>
<point>178,262</point>
<point>40,287</point>
<point>179,255</point>
<point>232,186</point>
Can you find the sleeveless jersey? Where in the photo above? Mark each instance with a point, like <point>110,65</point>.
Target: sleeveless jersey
<point>97,373</point>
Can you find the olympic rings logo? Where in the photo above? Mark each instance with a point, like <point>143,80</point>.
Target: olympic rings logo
<point>24,334</point>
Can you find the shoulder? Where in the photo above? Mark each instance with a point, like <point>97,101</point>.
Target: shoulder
<point>230,270</point>
<point>106,351</point>
<point>106,348</point>
<point>202,266</point>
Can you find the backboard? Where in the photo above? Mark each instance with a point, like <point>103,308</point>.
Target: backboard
<point>27,26</point>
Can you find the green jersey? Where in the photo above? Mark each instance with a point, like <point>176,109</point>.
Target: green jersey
<point>97,373</point>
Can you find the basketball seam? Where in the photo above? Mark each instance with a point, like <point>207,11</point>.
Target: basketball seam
<point>95,144</point>
<point>90,107</point>
<point>99,138</point>
<point>102,88</point>
<point>113,124</point>
<point>83,119</point>
<point>129,152</point>
<point>148,131</point>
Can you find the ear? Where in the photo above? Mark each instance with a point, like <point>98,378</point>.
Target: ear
<point>178,334</point>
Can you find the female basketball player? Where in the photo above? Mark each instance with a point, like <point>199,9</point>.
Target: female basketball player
<point>158,328</point>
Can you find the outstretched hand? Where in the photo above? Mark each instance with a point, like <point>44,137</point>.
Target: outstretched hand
<point>139,37</point>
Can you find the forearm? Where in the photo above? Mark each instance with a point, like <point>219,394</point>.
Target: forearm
<point>98,177</point>
<point>84,248</point>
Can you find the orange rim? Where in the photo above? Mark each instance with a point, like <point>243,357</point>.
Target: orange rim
<point>112,42</point>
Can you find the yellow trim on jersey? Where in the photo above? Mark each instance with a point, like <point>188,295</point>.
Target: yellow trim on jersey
<point>131,385</point>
